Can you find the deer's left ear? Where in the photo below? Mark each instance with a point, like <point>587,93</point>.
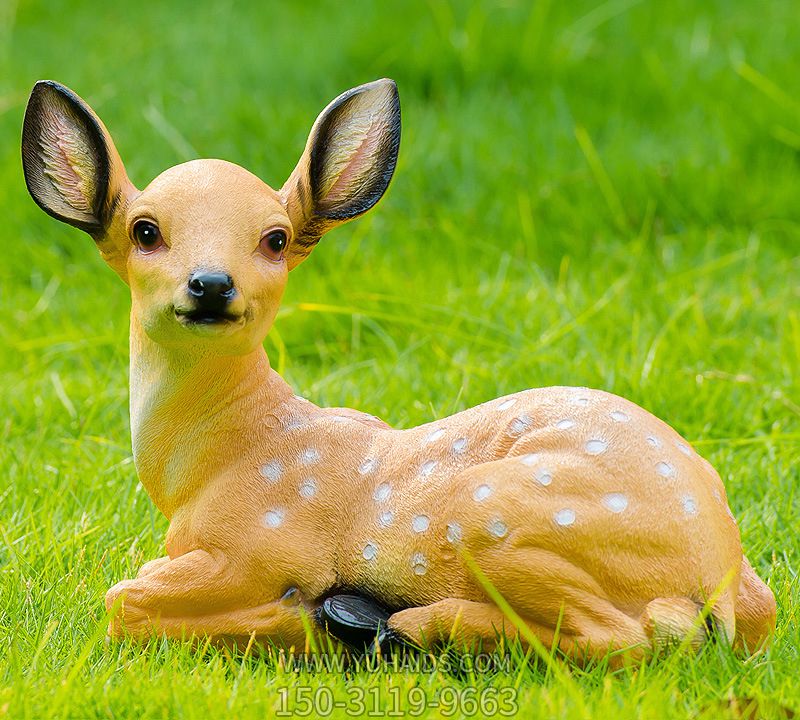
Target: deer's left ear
<point>348,162</point>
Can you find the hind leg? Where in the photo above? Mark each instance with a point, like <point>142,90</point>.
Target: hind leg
<point>463,621</point>
<point>598,628</point>
<point>619,613</point>
<point>755,610</point>
<point>555,592</point>
<point>484,624</point>
<point>669,622</point>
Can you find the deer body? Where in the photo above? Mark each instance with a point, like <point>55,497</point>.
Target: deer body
<point>583,510</point>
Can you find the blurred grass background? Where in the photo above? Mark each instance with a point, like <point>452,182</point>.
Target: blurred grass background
<point>588,193</point>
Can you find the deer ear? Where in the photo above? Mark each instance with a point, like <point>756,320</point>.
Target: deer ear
<point>71,166</point>
<point>348,162</point>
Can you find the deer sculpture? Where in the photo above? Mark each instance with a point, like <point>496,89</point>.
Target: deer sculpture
<point>600,526</point>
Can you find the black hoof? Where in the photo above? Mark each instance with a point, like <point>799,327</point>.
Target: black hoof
<point>387,642</point>
<point>355,620</point>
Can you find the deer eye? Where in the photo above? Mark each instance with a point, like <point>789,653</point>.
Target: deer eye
<point>273,243</point>
<point>147,236</point>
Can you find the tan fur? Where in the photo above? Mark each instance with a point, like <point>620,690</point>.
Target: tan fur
<point>584,511</point>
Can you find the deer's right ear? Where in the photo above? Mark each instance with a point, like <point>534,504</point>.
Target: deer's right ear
<point>72,169</point>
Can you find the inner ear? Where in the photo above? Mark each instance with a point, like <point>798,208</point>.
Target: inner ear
<point>66,157</point>
<point>354,150</point>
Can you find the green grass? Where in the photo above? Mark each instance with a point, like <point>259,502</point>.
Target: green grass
<point>603,195</point>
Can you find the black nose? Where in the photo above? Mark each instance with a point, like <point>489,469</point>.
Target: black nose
<point>211,290</point>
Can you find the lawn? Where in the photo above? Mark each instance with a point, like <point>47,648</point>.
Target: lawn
<point>587,194</point>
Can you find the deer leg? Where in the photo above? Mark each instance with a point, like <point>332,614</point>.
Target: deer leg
<point>755,610</point>
<point>198,593</point>
<point>465,621</point>
<point>462,621</point>
<point>152,566</point>
<point>557,593</point>
<point>196,582</point>
<point>279,622</point>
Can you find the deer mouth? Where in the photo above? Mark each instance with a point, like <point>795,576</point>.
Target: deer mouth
<point>206,317</point>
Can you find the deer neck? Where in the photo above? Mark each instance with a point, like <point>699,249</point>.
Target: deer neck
<point>193,413</point>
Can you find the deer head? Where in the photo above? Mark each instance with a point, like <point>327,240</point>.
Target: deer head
<point>207,246</point>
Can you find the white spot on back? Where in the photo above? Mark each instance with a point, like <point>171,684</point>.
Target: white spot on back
<point>339,418</point>
<point>565,424</point>
<point>368,466</point>
<point>420,523</point>
<point>497,528</point>
<point>616,502</point>
<point>529,460</point>
<point>454,532</point>
<point>665,469</point>
<point>427,468</point>
<point>274,518</point>
<point>684,448</point>
<point>596,447</point>
<point>308,488</point>
<point>309,456</point>
<point>543,476</point>
<point>460,445</point>
<point>382,492</point>
<point>564,517</point>
<point>386,518</point>
<point>653,441</point>
<point>506,404</point>
<point>272,470</point>
<point>435,435</point>
<point>419,563</point>
<point>370,551</point>
<point>520,425</point>
<point>481,493</point>
<point>619,416</point>
<point>689,505</point>
<point>581,400</point>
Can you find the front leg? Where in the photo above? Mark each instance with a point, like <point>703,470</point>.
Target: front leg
<point>194,583</point>
<point>202,593</point>
<point>279,622</point>
<point>152,566</point>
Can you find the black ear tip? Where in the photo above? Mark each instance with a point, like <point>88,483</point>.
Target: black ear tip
<point>42,94</point>
<point>44,86</point>
<point>39,89</point>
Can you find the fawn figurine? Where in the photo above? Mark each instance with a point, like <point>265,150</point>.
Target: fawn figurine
<point>596,522</point>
